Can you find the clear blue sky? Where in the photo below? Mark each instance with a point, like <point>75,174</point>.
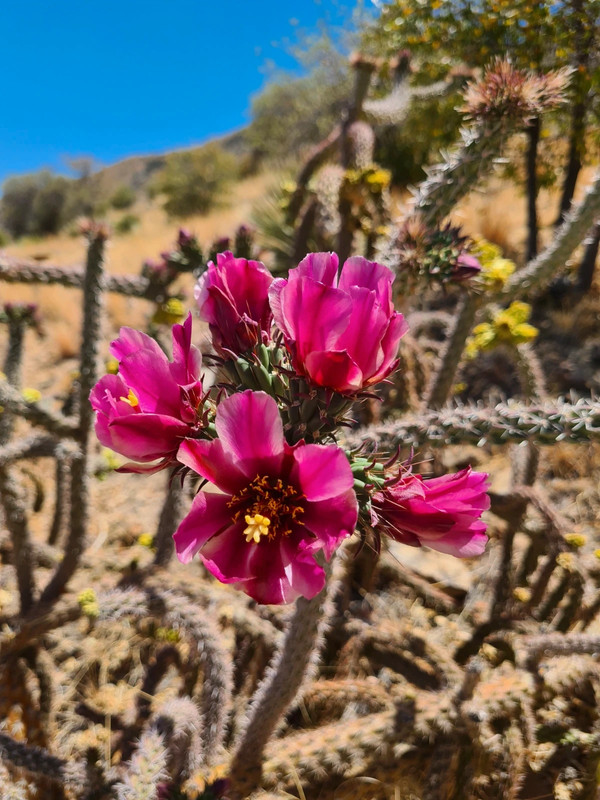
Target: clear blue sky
<point>128,77</point>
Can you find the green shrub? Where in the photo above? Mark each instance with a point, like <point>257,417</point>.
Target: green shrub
<point>123,197</point>
<point>4,238</point>
<point>126,224</point>
<point>195,181</point>
<point>293,113</point>
<point>34,204</point>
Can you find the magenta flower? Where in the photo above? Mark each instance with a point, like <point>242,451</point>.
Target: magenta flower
<point>343,332</point>
<point>280,505</point>
<point>233,297</point>
<point>146,410</point>
<point>441,513</point>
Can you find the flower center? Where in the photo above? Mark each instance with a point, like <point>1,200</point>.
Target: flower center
<point>257,526</point>
<point>131,399</point>
<point>269,507</point>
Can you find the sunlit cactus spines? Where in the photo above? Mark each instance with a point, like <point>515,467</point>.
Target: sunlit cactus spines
<point>422,256</point>
<point>506,91</point>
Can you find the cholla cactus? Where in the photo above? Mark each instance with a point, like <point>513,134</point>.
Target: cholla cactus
<point>506,91</point>
<point>456,700</point>
<point>422,255</point>
<point>395,107</point>
<point>500,103</point>
<point>146,770</point>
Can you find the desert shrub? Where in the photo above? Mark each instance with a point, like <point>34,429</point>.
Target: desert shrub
<point>194,181</point>
<point>122,198</point>
<point>126,224</point>
<point>407,149</point>
<point>291,113</point>
<point>34,204</point>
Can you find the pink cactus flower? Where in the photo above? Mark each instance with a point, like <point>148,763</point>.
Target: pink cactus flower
<point>441,513</point>
<point>280,506</point>
<point>233,298</point>
<point>342,333</point>
<point>146,410</point>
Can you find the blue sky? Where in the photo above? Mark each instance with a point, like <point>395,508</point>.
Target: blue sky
<point>128,77</point>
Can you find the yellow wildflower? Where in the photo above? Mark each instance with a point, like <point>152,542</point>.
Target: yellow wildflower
<point>31,395</point>
<point>508,326</point>
<point>169,313</point>
<point>146,540</point>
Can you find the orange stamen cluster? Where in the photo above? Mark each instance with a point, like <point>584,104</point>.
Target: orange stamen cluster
<point>269,507</point>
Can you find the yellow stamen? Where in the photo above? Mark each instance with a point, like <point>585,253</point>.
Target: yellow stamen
<point>258,526</point>
<point>131,399</point>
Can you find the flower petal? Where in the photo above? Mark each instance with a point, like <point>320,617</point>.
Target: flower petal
<point>208,516</point>
<point>331,521</point>
<point>357,271</point>
<point>463,544</point>
<point>335,369</point>
<point>151,381</point>
<point>367,325</point>
<point>131,341</point>
<point>314,315</point>
<point>321,472</point>
<point>229,556</point>
<point>249,425</point>
<point>322,267</point>
<point>389,344</point>
<point>211,461</point>
<point>146,437</point>
<point>187,360</point>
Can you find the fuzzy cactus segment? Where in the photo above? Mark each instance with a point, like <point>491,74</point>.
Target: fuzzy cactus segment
<point>280,505</point>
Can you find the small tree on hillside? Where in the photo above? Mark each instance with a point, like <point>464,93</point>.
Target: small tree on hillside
<point>194,181</point>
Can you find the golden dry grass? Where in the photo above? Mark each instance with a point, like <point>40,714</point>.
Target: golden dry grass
<point>155,233</point>
<point>497,211</point>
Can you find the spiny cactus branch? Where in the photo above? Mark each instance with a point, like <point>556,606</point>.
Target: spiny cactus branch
<point>443,379</point>
<point>12,496</point>
<point>394,108</point>
<point>189,620</point>
<point>39,761</point>
<point>146,769</point>
<point>556,644</point>
<point>52,421</point>
<point>531,373</point>
<point>13,504</point>
<point>15,271</point>
<point>62,473</point>
<point>461,169</point>
<point>554,258</point>
<point>34,446</point>
<point>19,634</point>
<point>316,158</point>
<point>544,423</point>
<point>88,375</point>
<point>171,514</point>
<point>284,678</point>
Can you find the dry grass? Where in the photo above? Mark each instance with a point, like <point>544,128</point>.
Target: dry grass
<point>497,211</point>
<point>155,233</point>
